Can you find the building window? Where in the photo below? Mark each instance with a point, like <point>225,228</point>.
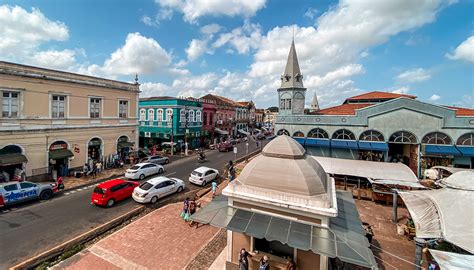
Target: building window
<point>182,115</point>
<point>343,134</point>
<point>318,133</point>
<point>436,138</point>
<point>466,139</point>
<point>298,134</point>
<point>95,107</point>
<point>211,115</point>
<point>198,116</point>
<point>123,109</point>
<point>159,116</point>
<point>142,115</point>
<point>283,132</point>
<point>169,115</point>
<point>191,116</point>
<point>371,136</point>
<point>151,114</point>
<point>58,106</point>
<point>204,122</point>
<point>10,104</point>
<point>403,137</point>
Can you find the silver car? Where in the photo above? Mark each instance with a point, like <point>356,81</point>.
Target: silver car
<point>157,159</point>
<point>15,192</point>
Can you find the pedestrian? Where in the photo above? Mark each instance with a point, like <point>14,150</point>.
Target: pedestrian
<point>264,263</point>
<point>290,265</point>
<point>214,188</point>
<point>186,209</point>
<point>231,174</point>
<point>94,170</point>
<point>243,259</point>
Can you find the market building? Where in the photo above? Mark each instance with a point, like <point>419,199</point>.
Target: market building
<point>377,126</point>
<point>224,117</point>
<point>208,121</point>
<point>170,119</point>
<point>54,121</point>
<point>259,116</point>
<point>296,216</point>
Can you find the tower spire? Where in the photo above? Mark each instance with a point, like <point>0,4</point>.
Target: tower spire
<point>314,103</point>
<point>292,78</point>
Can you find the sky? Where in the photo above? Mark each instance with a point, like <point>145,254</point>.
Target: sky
<point>239,48</point>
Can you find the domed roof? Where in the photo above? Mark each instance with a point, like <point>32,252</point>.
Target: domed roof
<point>463,180</point>
<point>284,167</point>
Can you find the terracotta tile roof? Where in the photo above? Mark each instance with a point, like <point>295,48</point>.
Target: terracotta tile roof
<point>377,95</point>
<point>344,109</point>
<point>230,102</point>
<point>462,111</point>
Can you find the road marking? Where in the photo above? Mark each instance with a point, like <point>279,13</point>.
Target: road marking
<point>67,193</point>
<point>114,258</point>
<point>169,174</point>
<point>73,191</point>
<point>220,155</point>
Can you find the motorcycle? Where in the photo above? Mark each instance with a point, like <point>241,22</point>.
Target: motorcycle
<point>202,160</point>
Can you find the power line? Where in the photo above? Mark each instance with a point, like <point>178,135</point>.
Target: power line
<point>393,255</point>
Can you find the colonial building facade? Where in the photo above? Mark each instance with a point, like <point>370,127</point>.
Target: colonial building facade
<point>53,120</point>
<point>377,126</point>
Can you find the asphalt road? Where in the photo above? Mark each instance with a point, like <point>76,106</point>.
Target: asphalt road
<point>37,227</point>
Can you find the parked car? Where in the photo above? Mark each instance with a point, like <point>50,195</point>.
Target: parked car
<point>225,147</point>
<point>203,175</point>
<point>260,136</point>
<point>138,155</point>
<point>152,190</point>
<point>109,192</point>
<point>15,192</point>
<point>157,159</point>
<point>142,170</point>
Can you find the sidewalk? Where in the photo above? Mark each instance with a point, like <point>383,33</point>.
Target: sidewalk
<point>159,240</point>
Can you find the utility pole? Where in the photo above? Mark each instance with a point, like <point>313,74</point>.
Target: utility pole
<point>172,135</point>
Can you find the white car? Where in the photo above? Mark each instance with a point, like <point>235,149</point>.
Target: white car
<point>155,188</point>
<point>142,170</point>
<point>203,175</point>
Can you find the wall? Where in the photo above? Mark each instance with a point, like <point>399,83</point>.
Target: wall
<point>307,260</point>
<point>239,241</point>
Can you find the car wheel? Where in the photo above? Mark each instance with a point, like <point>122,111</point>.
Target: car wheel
<point>160,171</point>
<point>110,203</point>
<point>154,199</point>
<point>46,195</point>
<point>180,189</point>
<point>204,183</point>
<point>167,161</point>
<point>142,176</point>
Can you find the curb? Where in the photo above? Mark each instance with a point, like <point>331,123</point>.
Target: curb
<point>92,182</point>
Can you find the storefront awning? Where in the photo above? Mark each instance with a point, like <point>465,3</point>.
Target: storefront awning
<point>125,144</point>
<point>373,146</point>
<point>60,154</point>
<point>449,260</point>
<point>431,149</point>
<point>221,132</point>
<point>14,158</point>
<point>317,142</point>
<point>347,144</point>
<point>300,140</point>
<point>344,239</point>
<point>467,151</point>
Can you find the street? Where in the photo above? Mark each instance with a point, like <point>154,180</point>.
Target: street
<point>35,228</point>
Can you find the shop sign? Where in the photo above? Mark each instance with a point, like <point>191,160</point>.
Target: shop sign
<point>57,146</point>
<point>76,148</point>
<point>16,196</point>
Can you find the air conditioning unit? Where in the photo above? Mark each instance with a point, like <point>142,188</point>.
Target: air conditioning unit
<point>147,134</point>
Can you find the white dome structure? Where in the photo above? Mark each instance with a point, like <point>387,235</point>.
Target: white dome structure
<point>285,176</point>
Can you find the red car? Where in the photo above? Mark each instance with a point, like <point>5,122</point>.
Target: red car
<point>225,147</point>
<point>108,193</point>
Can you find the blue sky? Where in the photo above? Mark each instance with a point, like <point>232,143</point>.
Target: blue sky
<point>238,48</point>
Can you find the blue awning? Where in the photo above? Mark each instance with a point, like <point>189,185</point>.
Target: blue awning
<point>344,144</point>
<point>467,151</point>
<point>317,142</point>
<point>450,150</point>
<point>374,146</point>
<point>301,140</point>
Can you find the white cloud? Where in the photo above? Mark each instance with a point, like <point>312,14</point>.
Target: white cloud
<point>467,101</point>
<point>241,39</point>
<point>465,51</point>
<point>162,15</point>
<point>193,9</point>
<point>400,90</point>
<point>414,75</point>
<point>434,97</point>
<point>310,13</point>
<point>139,54</point>
<point>150,89</point>
<point>210,29</point>
<point>64,59</point>
<point>196,48</point>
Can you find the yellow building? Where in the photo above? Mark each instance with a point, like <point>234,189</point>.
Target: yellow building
<point>53,121</point>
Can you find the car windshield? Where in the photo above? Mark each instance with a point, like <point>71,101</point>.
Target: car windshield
<point>99,190</point>
<point>146,186</point>
<point>134,168</point>
<point>198,174</point>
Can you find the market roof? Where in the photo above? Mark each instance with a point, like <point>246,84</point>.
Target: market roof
<point>344,109</point>
<point>284,175</point>
<point>446,213</point>
<point>449,260</point>
<point>373,170</point>
<point>462,111</point>
<point>344,238</point>
<point>377,95</point>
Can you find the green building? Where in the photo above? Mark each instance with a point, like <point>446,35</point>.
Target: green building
<point>163,119</point>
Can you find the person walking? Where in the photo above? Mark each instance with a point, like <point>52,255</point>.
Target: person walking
<point>264,263</point>
<point>243,259</point>
<point>214,188</point>
<point>186,209</point>
<point>94,170</point>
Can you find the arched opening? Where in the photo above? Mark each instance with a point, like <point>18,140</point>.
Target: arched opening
<point>12,163</point>
<point>371,136</point>
<point>402,147</point>
<point>318,133</point>
<point>94,151</point>
<point>372,146</point>
<point>283,132</point>
<point>343,134</point>
<point>436,138</point>
<point>59,155</point>
<point>466,139</point>
<point>465,144</point>
<point>298,134</point>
